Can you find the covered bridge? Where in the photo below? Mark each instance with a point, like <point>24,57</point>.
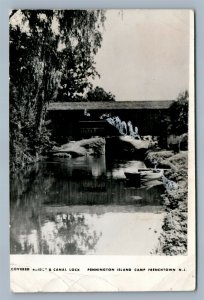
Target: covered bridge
<point>83,119</point>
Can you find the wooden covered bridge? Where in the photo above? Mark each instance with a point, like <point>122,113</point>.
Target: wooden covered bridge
<point>83,119</point>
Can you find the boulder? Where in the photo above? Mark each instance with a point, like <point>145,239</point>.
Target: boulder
<point>137,144</point>
<point>62,154</point>
<point>92,146</point>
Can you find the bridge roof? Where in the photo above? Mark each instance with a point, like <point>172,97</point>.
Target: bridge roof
<point>165,104</point>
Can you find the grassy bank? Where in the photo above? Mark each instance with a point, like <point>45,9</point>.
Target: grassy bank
<point>173,238</point>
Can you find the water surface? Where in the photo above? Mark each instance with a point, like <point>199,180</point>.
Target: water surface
<point>83,206</point>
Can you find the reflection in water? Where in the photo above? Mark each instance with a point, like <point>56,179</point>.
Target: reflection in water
<point>57,234</point>
<point>63,207</point>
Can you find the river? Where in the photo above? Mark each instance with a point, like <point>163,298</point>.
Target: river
<point>83,206</point>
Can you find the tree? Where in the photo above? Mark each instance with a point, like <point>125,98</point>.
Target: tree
<point>50,50</point>
<point>178,115</point>
<point>175,120</point>
<point>99,94</point>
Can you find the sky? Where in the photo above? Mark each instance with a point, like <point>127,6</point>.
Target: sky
<point>144,54</point>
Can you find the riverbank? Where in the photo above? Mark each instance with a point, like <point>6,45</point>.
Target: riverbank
<point>173,238</point>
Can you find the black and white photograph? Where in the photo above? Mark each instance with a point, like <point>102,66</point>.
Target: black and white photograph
<point>101,137</point>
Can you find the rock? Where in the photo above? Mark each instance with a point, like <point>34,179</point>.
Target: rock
<point>161,158</point>
<point>137,144</point>
<point>61,154</point>
<point>92,146</point>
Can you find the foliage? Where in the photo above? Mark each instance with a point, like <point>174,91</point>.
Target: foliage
<point>173,239</point>
<point>99,94</point>
<point>178,115</point>
<point>51,54</point>
<point>174,235</point>
<point>175,121</point>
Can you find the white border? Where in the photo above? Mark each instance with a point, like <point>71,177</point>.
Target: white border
<point>199,9</point>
